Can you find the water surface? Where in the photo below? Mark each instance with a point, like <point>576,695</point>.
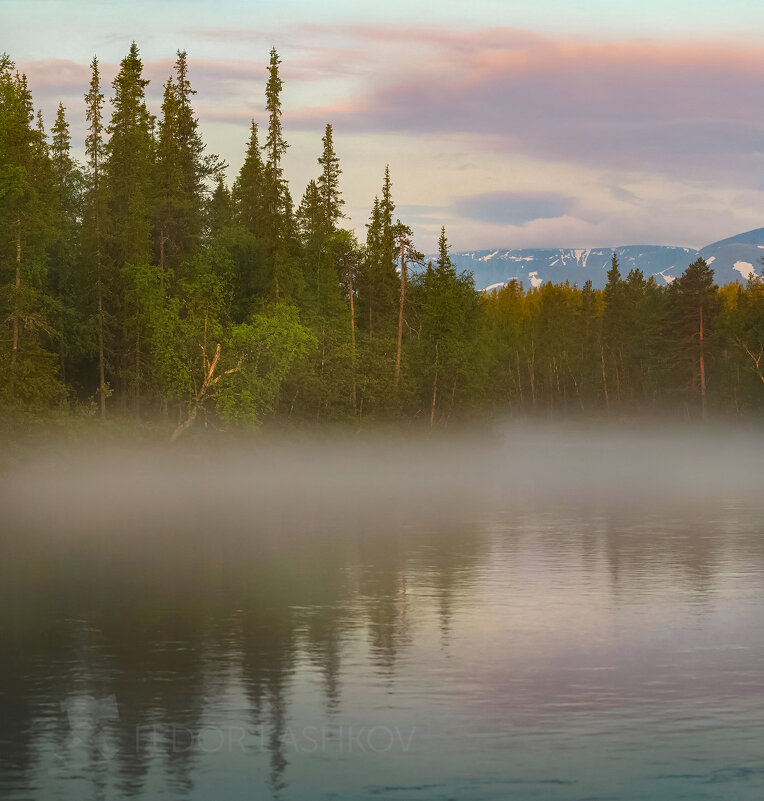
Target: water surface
<point>496,623</point>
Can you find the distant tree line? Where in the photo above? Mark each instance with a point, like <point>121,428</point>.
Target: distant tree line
<point>139,284</point>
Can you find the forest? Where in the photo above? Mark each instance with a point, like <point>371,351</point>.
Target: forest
<point>141,285</point>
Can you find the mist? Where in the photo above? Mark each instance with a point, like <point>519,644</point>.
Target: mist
<point>289,486</point>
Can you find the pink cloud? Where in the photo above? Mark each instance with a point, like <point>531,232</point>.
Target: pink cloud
<point>675,108</point>
<point>622,105</point>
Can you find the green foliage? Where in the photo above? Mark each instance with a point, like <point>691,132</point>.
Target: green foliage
<point>329,183</point>
<point>30,214</point>
<point>248,193</point>
<point>446,360</point>
<point>260,354</point>
<point>129,165</point>
<point>143,281</point>
<point>182,173</point>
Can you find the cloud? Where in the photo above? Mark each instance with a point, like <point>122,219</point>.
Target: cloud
<point>670,108</point>
<point>512,208</point>
<point>507,136</point>
<point>641,106</point>
<point>56,77</point>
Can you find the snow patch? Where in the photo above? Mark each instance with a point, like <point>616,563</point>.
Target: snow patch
<point>667,278</point>
<point>494,286</point>
<point>535,280</point>
<point>489,256</point>
<point>710,259</point>
<point>581,256</point>
<point>745,268</point>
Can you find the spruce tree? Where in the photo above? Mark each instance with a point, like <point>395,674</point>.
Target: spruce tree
<point>379,288</point>
<point>62,273</point>
<point>183,171</point>
<point>219,210</point>
<point>168,178</point>
<point>445,352</point>
<point>129,163</point>
<point>368,285</point>
<point>28,369</point>
<point>278,202</point>
<point>444,264</point>
<point>329,184</point>
<point>310,218</point>
<point>614,329</point>
<point>386,209</point>
<point>96,219</point>
<point>129,172</point>
<point>402,237</point>
<point>248,192</point>
<point>695,306</point>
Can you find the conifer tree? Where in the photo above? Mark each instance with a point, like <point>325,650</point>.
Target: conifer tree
<point>695,305</point>
<point>386,209</point>
<point>129,170</point>
<point>248,192</point>
<point>310,218</point>
<point>403,240</point>
<point>95,218</point>
<point>63,254</point>
<point>319,276</point>
<point>60,151</point>
<point>369,289</point>
<point>379,289</point>
<point>219,211</point>
<point>183,171</point>
<point>446,348</point>
<point>168,177</point>
<point>129,163</point>
<point>329,184</point>
<point>590,356</point>
<point>27,368</point>
<point>614,323</point>
<point>275,145</point>
<point>278,202</point>
<point>444,264</point>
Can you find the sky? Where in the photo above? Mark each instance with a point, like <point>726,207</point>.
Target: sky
<point>514,123</point>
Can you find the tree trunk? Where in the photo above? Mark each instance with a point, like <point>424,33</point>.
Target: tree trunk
<point>16,309</point>
<point>352,336</point>
<point>138,376</point>
<point>400,316</point>
<point>101,370</point>
<point>99,285</point>
<point>434,389</point>
<point>702,365</point>
<point>519,379</point>
<point>604,379</point>
<point>162,240</point>
<point>532,374</point>
<point>208,383</point>
<point>755,358</point>
<point>186,424</point>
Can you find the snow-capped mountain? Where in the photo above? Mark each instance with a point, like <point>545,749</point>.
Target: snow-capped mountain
<point>732,259</point>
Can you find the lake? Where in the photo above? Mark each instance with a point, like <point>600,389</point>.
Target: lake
<point>546,615</point>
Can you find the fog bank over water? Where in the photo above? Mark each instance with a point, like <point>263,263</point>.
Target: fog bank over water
<point>288,485</point>
<point>547,612</point>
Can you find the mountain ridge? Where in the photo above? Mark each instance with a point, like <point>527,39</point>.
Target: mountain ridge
<point>734,258</point>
